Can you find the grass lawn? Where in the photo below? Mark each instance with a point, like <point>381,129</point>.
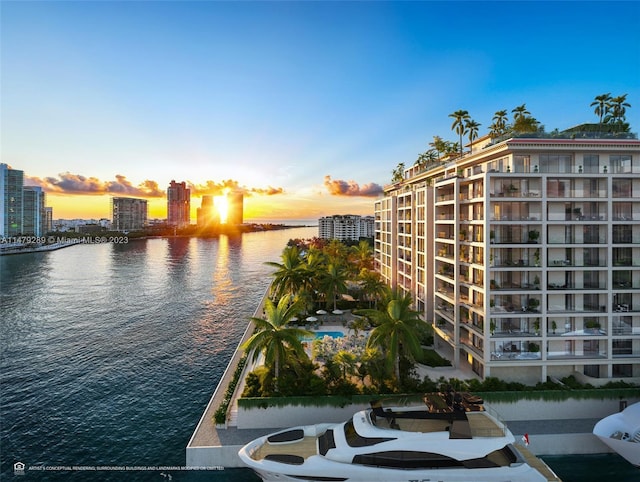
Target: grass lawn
<point>432,359</point>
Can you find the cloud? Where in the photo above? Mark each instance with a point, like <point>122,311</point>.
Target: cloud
<point>214,188</point>
<point>69,183</point>
<point>351,188</point>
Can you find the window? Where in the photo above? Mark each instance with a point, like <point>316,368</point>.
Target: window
<point>621,371</point>
<point>521,164</point>
<point>622,347</point>
<point>591,163</point>
<point>622,188</point>
<point>622,233</point>
<point>620,163</point>
<point>555,162</point>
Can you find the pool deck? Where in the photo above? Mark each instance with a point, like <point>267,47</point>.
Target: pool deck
<point>207,436</point>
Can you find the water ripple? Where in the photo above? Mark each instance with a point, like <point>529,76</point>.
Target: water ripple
<point>109,353</point>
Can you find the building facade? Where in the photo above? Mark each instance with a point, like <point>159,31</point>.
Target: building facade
<point>178,205</point>
<point>235,208</point>
<point>524,254</point>
<point>11,183</point>
<point>128,214</point>
<point>346,227</point>
<point>34,214</point>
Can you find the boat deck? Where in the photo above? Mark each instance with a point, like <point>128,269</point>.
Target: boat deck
<point>538,464</point>
<point>306,447</point>
<point>483,426</point>
<point>477,424</point>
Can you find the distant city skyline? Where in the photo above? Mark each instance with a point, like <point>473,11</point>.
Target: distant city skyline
<point>307,115</point>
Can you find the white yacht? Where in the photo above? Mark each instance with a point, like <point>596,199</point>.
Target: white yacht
<point>621,432</point>
<point>448,438</point>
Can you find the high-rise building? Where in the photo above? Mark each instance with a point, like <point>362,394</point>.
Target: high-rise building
<point>178,205</point>
<point>11,182</point>
<point>346,227</point>
<point>523,254</point>
<point>48,221</point>
<point>207,216</point>
<point>235,208</point>
<point>34,215</point>
<point>128,214</point>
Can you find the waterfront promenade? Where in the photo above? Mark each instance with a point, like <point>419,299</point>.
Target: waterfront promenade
<point>554,428</point>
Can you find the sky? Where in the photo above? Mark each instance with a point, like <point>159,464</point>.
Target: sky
<point>305,106</point>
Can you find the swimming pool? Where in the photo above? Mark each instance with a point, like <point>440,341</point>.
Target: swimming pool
<point>322,334</point>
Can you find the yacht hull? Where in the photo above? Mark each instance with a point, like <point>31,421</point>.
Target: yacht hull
<point>621,433</point>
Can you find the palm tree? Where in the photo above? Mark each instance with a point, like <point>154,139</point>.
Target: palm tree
<point>520,112</point>
<point>396,330</point>
<point>333,283</point>
<point>439,144</point>
<point>617,109</point>
<point>523,121</point>
<point>289,277</point>
<point>397,175</point>
<point>346,361</point>
<point>362,256</point>
<point>601,104</point>
<point>372,286</point>
<point>499,125</point>
<point>274,337</point>
<point>460,116</point>
<point>472,129</point>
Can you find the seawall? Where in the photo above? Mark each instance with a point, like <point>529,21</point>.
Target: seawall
<point>553,427</point>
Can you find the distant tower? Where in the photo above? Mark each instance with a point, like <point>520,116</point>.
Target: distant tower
<point>207,217</point>
<point>178,205</point>
<point>34,216</point>
<point>48,220</point>
<point>128,213</point>
<point>235,211</point>
<point>11,182</point>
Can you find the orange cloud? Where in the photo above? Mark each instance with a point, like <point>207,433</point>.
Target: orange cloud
<point>351,188</point>
<point>69,183</point>
<point>217,188</point>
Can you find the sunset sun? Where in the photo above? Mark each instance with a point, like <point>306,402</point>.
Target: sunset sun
<point>221,204</point>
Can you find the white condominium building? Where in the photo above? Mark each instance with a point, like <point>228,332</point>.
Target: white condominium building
<point>346,227</point>
<point>524,254</point>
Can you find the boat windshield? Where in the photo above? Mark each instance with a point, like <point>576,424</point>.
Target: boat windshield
<point>356,440</point>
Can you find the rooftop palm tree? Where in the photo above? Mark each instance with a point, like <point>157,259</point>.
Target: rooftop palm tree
<point>472,129</point>
<point>617,109</point>
<point>523,121</point>
<point>426,158</point>
<point>601,103</point>
<point>397,175</point>
<point>274,337</point>
<point>396,330</point>
<point>439,144</point>
<point>520,112</point>
<point>459,125</point>
<point>499,125</point>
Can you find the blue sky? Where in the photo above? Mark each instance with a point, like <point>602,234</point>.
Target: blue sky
<point>282,94</point>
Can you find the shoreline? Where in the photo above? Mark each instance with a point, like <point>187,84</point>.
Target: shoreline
<point>56,242</point>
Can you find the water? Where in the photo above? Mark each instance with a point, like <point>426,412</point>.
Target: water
<point>110,353</point>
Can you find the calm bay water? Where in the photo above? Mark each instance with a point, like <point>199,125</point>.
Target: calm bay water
<point>110,353</point>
